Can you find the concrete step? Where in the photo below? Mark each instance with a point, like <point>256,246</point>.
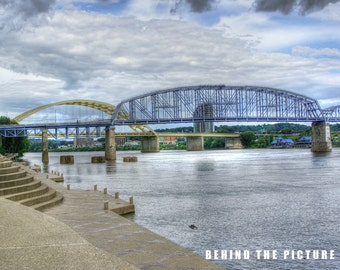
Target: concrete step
<point>5,163</point>
<point>17,189</point>
<point>49,195</point>
<point>10,169</point>
<point>18,185</point>
<point>50,203</point>
<point>11,176</point>
<point>16,182</point>
<point>28,194</point>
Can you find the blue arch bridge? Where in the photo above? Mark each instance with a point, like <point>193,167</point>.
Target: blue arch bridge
<point>202,105</point>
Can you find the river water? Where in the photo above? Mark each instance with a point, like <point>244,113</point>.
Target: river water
<point>277,200</point>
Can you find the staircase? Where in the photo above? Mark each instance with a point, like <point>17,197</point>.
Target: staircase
<point>18,185</point>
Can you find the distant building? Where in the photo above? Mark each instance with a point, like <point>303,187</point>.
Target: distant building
<point>167,140</point>
<point>120,141</point>
<point>81,142</point>
<point>132,143</point>
<point>305,140</point>
<point>282,142</point>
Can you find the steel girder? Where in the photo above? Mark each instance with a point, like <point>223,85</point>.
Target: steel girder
<point>218,103</point>
<point>332,114</point>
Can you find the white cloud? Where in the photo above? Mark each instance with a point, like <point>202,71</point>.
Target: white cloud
<point>307,51</point>
<point>329,13</point>
<point>276,34</point>
<point>76,54</point>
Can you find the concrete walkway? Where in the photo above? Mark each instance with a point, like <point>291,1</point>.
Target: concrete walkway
<point>94,237</point>
<point>33,240</point>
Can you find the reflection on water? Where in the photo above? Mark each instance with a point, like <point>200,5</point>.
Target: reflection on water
<point>239,200</point>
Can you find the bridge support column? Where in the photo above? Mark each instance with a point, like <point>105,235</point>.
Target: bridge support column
<point>44,138</point>
<point>195,143</point>
<point>321,137</point>
<point>110,144</point>
<point>233,143</point>
<point>150,144</point>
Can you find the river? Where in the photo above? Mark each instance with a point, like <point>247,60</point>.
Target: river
<point>275,204</point>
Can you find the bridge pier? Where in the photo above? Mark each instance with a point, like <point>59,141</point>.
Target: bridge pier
<point>110,144</point>
<point>44,138</point>
<point>321,137</point>
<point>233,143</point>
<point>150,144</point>
<point>195,143</point>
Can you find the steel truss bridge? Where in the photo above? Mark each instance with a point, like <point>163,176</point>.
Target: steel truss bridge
<point>191,104</point>
<point>221,103</point>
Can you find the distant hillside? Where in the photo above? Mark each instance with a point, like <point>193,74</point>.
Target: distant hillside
<point>286,128</point>
<point>266,128</point>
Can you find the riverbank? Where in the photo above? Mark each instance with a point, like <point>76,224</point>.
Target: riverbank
<point>83,211</point>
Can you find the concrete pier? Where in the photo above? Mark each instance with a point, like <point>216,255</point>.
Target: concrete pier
<point>195,143</point>
<point>321,135</point>
<point>233,143</point>
<point>67,159</point>
<point>110,144</point>
<point>45,159</point>
<point>150,144</point>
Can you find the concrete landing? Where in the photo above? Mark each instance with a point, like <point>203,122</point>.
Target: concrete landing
<point>83,212</point>
<point>33,240</point>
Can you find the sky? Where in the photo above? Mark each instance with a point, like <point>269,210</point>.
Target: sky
<point>111,50</point>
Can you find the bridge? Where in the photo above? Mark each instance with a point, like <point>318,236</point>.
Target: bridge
<point>220,103</point>
<point>202,105</point>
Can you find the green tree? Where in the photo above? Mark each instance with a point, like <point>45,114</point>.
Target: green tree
<point>286,130</point>
<point>247,138</point>
<point>263,142</point>
<point>18,145</point>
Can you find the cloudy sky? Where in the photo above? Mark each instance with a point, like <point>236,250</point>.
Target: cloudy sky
<point>110,50</point>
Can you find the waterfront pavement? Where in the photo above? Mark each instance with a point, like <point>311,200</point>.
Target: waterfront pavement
<point>33,240</point>
<point>80,234</point>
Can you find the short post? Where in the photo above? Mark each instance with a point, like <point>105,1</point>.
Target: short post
<point>106,205</point>
<point>105,191</point>
<point>95,187</point>
<point>117,195</point>
<point>68,186</point>
<point>131,200</point>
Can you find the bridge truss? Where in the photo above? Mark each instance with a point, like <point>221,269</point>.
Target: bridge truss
<point>332,114</point>
<point>217,103</point>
